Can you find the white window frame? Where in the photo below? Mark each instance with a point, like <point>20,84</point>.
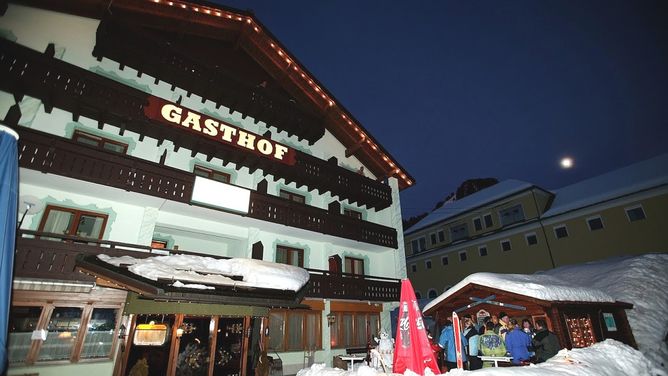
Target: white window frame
<point>447,261</point>
<point>465,255</point>
<point>526,238</point>
<point>481,224</point>
<point>506,241</point>
<point>435,293</point>
<point>486,251</point>
<point>433,240</point>
<point>639,206</point>
<point>438,234</point>
<point>558,227</point>
<point>593,218</point>
<point>428,264</point>
<point>491,218</point>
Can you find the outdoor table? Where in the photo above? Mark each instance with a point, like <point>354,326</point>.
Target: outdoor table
<point>352,359</point>
<point>496,359</point>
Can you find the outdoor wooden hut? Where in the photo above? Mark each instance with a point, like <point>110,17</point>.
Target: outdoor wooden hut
<point>579,316</point>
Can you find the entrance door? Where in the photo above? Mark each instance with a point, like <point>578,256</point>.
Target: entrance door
<point>229,347</point>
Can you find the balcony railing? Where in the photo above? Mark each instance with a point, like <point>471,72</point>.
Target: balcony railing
<point>46,153</point>
<point>52,256</point>
<point>59,84</point>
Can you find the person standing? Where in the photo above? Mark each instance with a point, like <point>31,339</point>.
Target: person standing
<point>517,343</point>
<point>447,342</point>
<point>503,326</point>
<point>472,338</point>
<point>545,342</point>
<point>491,344</point>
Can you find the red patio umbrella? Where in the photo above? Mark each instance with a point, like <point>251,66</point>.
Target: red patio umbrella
<point>412,349</point>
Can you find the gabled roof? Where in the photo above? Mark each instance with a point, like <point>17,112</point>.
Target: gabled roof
<point>214,21</point>
<point>485,196</point>
<point>644,175</point>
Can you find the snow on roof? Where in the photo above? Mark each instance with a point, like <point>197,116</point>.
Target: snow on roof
<point>200,272</point>
<point>482,197</point>
<point>544,287</point>
<point>637,177</point>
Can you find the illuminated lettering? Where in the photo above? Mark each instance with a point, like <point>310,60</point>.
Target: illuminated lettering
<point>264,146</point>
<point>228,132</point>
<point>280,151</point>
<point>246,140</point>
<point>192,121</point>
<point>171,113</point>
<point>211,127</point>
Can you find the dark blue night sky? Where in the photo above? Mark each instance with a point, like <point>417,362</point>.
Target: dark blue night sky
<point>464,89</point>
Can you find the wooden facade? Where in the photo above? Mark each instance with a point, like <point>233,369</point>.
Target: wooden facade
<point>560,316</point>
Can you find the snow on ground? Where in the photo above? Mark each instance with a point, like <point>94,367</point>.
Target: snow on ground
<point>607,358</point>
<point>201,272</point>
<point>640,280</point>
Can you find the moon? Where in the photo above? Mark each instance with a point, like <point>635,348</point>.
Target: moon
<point>566,163</point>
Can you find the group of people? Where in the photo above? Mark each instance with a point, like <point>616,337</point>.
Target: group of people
<point>498,336</point>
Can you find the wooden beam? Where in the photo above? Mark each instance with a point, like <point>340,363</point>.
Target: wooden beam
<point>355,147</point>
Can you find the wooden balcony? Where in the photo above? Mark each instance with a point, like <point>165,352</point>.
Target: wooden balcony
<point>83,93</point>
<point>52,256</point>
<point>49,154</point>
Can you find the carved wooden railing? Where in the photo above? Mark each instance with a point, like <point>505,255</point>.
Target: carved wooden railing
<point>52,256</point>
<point>46,153</point>
<point>327,285</point>
<point>62,85</point>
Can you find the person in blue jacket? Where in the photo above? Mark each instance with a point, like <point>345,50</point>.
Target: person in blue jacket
<point>447,342</point>
<point>517,343</point>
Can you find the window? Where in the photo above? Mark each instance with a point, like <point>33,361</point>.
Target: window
<point>158,244</point>
<point>635,213</point>
<point>431,294</point>
<point>427,264</point>
<point>531,239</point>
<point>561,231</point>
<point>418,295</point>
<point>212,174</point>
<point>433,238</point>
<point>488,220</point>
<point>290,256</point>
<point>414,268</point>
<point>444,260</point>
<point>482,251</point>
<point>99,142</point>
<point>419,245</point>
<point>463,256</point>
<point>293,196</point>
<point>459,232</point>
<point>73,222</point>
<point>295,330</point>
<point>511,215</point>
<point>65,339</point>
<point>354,329</point>
<point>441,236</point>
<point>595,223</point>
<point>352,213</point>
<point>477,224</point>
<point>354,266</point>
<point>505,245</point>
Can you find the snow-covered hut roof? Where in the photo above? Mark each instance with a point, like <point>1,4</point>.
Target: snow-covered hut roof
<point>538,286</point>
<point>634,178</point>
<point>480,198</point>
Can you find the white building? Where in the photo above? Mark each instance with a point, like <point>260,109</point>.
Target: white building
<point>169,127</point>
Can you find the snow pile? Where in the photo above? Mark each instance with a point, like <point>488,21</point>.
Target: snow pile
<point>640,280</point>
<point>201,272</point>
<point>607,358</point>
<point>545,287</point>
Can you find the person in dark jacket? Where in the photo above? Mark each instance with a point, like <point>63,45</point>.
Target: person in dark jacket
<point>517,343</point>
<point>545,342</point>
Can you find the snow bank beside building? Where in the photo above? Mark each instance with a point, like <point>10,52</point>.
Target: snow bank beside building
<point>640,280</point>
